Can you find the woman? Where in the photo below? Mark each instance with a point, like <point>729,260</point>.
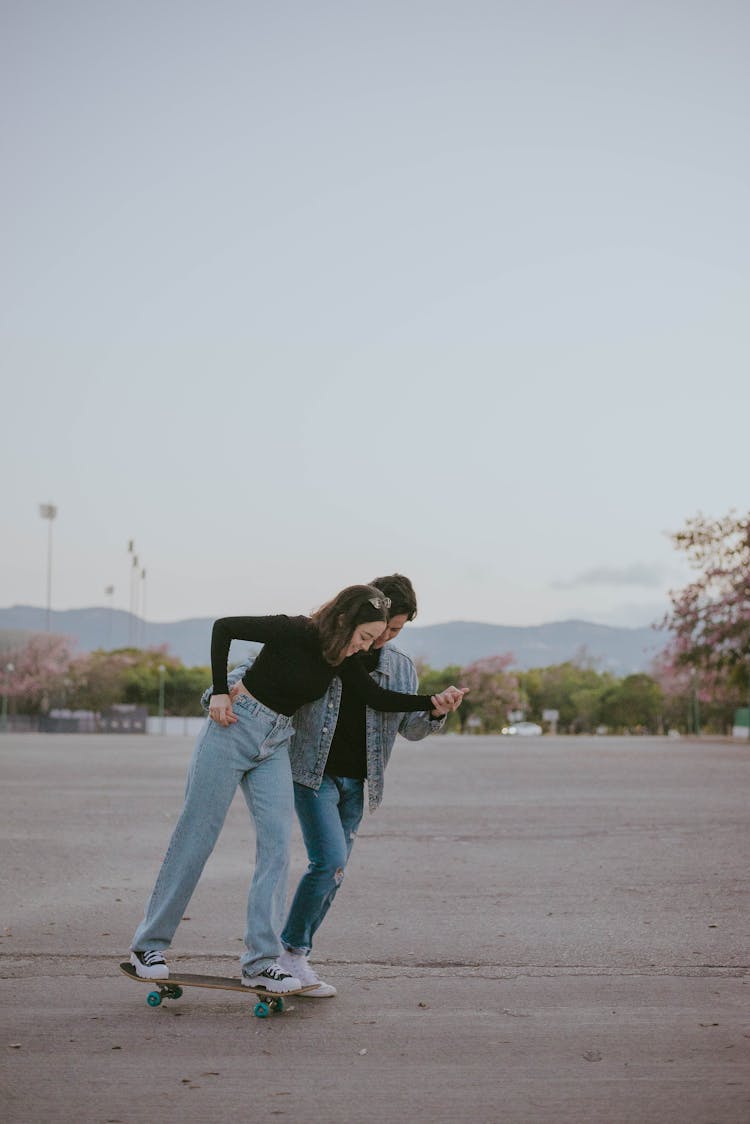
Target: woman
<point>248,746</point>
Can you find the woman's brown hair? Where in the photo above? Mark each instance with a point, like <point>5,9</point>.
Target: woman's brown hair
<point>338,618</point>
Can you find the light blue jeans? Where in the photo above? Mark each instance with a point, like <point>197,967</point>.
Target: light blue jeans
<point>252,753</point>
<point>329,818</point>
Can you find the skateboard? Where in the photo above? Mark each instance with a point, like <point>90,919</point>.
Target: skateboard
<point>171,988</point>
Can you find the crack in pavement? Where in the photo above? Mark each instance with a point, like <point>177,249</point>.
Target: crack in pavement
<point>12,967</point>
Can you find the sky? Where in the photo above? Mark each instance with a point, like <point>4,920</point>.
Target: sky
<point>296,294</point>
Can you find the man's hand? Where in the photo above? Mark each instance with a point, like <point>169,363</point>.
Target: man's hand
<point>448,700</point>
<point>220,709</point>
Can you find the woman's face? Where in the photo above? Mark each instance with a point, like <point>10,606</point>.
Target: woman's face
<point>363,636</point>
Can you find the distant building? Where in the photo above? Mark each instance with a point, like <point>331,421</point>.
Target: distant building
<point>64,721</point>
<point>124,719</point>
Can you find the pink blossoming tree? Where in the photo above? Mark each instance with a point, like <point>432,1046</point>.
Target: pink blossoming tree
<point>710,618</point>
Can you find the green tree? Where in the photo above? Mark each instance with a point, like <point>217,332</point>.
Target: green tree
<point>183,686</point>
<point>572,689</point>
<point>131,675</point>
<point>98,678</point>
<point>183,689</point>
<point>432,682</point>
<point>635,703</point>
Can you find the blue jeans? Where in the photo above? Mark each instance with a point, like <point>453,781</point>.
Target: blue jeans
<point>329,818</point>
<point>252,753</point>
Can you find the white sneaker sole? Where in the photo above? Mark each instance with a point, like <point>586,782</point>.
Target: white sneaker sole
<point>276,987</point>
<point>158,972</point>
<point>323,991</point>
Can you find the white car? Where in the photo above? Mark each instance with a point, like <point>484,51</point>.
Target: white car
<point>523,730</point>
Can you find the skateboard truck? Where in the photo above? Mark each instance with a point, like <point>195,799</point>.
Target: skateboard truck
<point>261,1010</point>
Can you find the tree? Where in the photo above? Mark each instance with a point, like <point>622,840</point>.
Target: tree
<point>710,618</point>
<point>41,670</point>
<point>131,675</point>
<point>183,689</point>
<point>694,700</point>
<point>141,685</point>
<point>99,678</point>
<point>634,703</point>
<point>432,682</point>
<point>573,689</point>
<point>492,692</point>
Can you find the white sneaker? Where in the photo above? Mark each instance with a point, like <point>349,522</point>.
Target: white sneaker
<point>297,963</point>
<point>273,978</point>
<point>149,965</point>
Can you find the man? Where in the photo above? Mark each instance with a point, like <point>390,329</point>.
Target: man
<point>338,744</point>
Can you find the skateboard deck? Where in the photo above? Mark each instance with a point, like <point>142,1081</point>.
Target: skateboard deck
<point>171,988</point>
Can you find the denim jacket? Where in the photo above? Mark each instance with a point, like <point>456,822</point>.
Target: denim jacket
<point>314,724</point>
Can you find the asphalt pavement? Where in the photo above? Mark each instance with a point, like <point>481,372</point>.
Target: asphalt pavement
<point>529,931</point>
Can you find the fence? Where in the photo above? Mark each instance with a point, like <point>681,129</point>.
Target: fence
<point>175,725</point>
<point>89,722</point>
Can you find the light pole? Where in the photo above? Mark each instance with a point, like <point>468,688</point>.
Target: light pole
<point>110,592</point>
<point>9,669</point>
<point>695,714</point>
<point>48,511</point>
<point>133,564</point>
<point>134,598</point>
<point>162,670</point>
<point>143,608</point>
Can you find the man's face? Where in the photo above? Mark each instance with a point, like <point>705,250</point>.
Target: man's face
<point>392,629</point>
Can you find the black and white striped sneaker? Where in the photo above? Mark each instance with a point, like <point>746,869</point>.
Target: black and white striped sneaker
<point>273,978</point>
<point>149,965</point>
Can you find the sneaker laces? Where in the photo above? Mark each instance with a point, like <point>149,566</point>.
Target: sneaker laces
<point>275,972</point>
<point>152,956</point>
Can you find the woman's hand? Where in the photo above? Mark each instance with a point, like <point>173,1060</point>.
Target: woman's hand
<point>238,688</point>
<point>220,709</point>
<point>448,700</point>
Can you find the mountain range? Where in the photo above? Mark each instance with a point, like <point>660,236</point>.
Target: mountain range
<point>618,650</point>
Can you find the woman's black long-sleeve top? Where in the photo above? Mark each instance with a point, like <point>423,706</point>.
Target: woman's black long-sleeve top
<point>291,669</point>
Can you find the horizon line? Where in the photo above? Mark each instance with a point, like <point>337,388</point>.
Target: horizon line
<point>438,624</point>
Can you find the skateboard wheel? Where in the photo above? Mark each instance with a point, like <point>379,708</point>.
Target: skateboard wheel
<point>174,992</point>
<point>153,999</point>
<point>261,1010</point>
<point>277,1004</point>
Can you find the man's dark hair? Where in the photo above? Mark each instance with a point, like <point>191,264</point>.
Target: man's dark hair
<point>401,592</point>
